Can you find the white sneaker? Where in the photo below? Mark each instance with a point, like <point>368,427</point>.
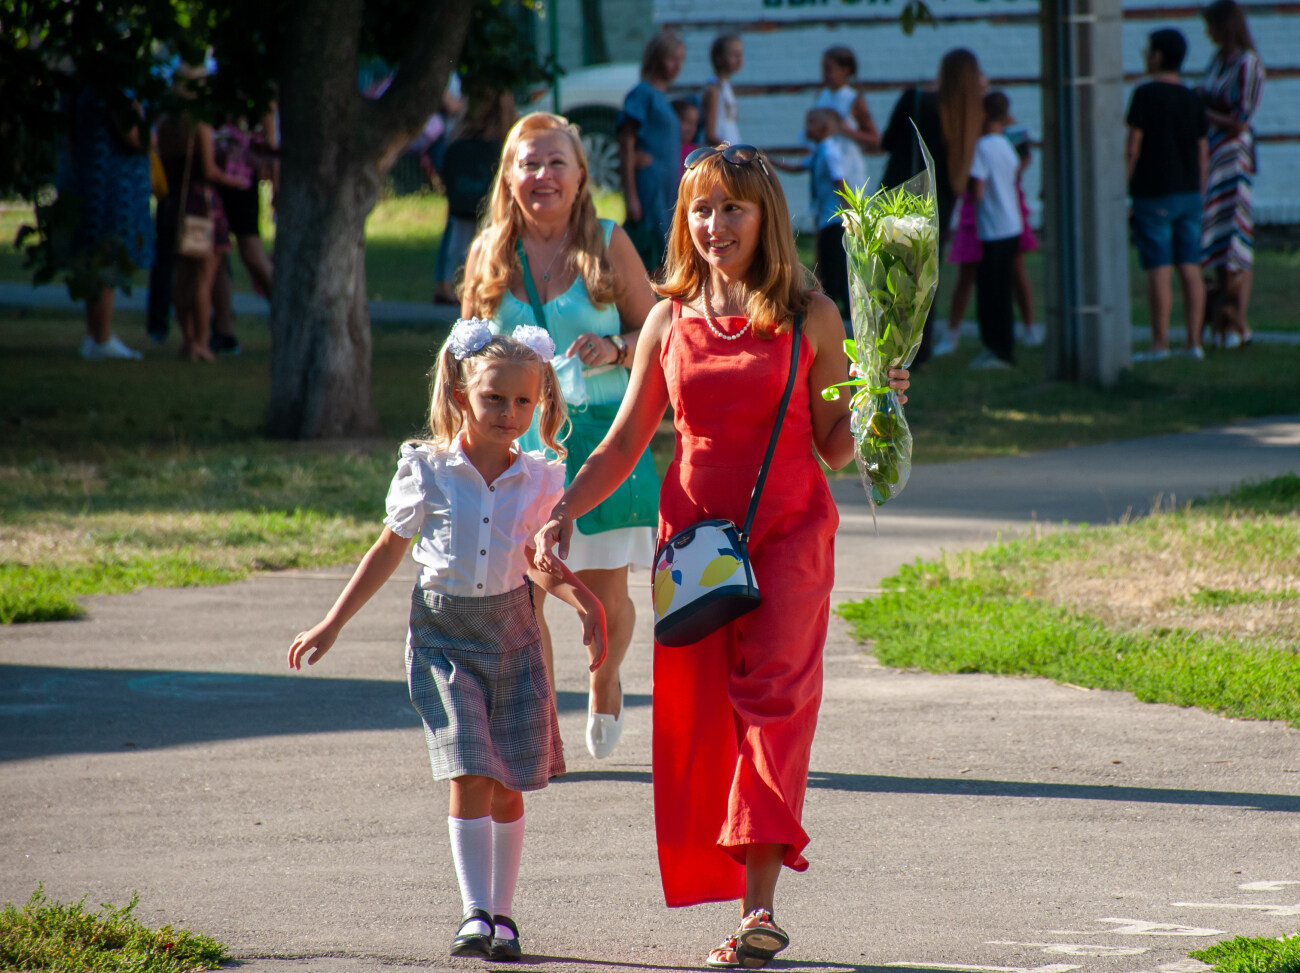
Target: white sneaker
<point>1195,351</point>
<point>1033,337</point>
<point>987,360</point>
<point>603,730</point>
<point>1232,340</point>
<point>92,350</point>
<point>946,344</point>
<point>1161,354</point>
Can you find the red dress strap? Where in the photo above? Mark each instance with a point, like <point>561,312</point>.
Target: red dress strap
<point>677,308</point>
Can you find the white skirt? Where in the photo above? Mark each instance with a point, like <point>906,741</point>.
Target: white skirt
<point>624,547</point>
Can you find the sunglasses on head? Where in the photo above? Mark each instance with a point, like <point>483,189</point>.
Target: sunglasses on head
<point>737,155</point>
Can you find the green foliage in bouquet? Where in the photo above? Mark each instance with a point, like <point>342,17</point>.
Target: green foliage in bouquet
<point>891,238</point>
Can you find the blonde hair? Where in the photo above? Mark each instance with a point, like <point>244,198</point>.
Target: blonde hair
<point>497,260</point>
<point>450,375</point>
<point>779,286</point>
<point>961,112</point>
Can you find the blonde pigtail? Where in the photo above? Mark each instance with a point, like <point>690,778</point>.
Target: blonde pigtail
<point>446,418</point>
<point>552,412</point>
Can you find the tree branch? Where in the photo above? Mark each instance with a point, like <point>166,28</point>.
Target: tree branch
<point>416,92</point>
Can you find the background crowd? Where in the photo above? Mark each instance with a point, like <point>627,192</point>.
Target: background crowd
<point>1190,164</point>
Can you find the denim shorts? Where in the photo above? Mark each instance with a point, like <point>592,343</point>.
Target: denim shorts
<point>1167,230</point>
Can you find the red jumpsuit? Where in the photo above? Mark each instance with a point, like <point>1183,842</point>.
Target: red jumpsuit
<point>734,714</point>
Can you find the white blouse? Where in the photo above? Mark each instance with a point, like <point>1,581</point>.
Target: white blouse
<point>471,535</point>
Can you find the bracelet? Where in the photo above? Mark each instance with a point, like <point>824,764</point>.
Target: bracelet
<point>620,346</point>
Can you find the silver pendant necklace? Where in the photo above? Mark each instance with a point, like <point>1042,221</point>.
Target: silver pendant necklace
<point>709,320</point>
<point>546,274</point>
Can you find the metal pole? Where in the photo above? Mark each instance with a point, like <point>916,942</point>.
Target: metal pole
<point>553,15</point>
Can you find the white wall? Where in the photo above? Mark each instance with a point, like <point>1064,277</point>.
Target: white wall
<point>784,41</point>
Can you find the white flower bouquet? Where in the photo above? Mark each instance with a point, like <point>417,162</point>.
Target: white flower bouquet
<point>892,242</point>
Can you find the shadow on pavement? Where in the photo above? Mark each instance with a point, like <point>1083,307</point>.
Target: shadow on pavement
<point>47,711</point>
<point>1033,789</point>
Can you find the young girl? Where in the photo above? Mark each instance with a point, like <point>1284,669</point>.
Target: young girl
<point>839,68</point>
<point>721,116</point>
<point>967,251</point>
<point>472,500</point>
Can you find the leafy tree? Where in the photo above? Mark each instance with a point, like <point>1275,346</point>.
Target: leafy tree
<point>337,145</point>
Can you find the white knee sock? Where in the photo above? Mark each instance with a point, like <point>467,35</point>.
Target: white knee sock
<point>507,851</point>
<point>471,850</point>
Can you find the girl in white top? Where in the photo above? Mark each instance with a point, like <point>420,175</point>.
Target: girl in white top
<point>472,501</point>
<point>721,116</point>
<point>839,68</point>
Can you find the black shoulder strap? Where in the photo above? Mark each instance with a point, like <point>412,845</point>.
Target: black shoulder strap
<point>538,313</point>
<point>776,430</point>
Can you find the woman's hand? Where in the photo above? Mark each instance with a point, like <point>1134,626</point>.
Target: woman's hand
<point>552,540</point>
<point>634,213</point>
<point>593,349</point>
<point>898,381</point>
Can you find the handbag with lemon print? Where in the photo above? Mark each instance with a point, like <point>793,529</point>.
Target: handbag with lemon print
<point>702,575</point>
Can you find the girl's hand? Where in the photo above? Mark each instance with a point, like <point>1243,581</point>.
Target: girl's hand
<point>320,638</point>
<point>898,381</point>
<point>593,629</point>
<point>555,533</point>
<point>634,213</point>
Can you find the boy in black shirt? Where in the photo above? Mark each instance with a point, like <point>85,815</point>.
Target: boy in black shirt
<point>1167,158</point>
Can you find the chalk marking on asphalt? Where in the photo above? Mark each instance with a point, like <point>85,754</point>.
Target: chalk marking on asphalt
<point>1140,927</point>
<point>1260,907</point>
<point>1178,966</point>
<point>1266,886</point>
<point>964,967</point>
<point>1074,949</point>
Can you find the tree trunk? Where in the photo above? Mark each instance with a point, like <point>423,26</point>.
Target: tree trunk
<point>320,318</point>
<point>337,147</point>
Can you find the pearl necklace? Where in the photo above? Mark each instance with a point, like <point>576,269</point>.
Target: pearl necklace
<point>713,324</point>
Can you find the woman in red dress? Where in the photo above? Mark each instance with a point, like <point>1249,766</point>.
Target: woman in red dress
<point>734,714</point>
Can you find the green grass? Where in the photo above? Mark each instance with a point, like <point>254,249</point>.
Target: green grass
<point>1272,303</point>
<point>1091,608</point>
<point>402,237</point>
<point>157,473</point>
<point>1246,955</point>
<point>47,935</point>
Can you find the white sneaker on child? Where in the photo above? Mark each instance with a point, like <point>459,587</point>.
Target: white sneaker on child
<point>1159,354</point>
<point>1033,337</point>
<point>946,344</point>
<point>114,347</point>
<point>987,360</point>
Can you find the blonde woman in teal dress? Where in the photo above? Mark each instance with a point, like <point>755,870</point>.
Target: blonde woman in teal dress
<point>595,298</point>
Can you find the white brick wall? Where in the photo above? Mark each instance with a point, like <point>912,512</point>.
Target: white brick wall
<point>784,41</point>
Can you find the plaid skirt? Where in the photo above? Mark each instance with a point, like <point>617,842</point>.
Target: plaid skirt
<point>478,680</point>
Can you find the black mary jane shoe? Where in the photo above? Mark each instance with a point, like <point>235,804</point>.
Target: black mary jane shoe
<point>506,947</point>
<point>477,943</point>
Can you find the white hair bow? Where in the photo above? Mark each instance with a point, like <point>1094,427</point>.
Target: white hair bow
<point>468,335</point>
<point>538,339</point>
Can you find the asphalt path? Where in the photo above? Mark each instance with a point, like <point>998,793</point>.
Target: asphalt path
<point>963,823</point>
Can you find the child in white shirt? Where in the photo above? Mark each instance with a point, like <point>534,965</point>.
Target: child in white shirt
<point>718,100</point>
<point>835,163</point>
<point>472,501</point>
<point>993,174</point>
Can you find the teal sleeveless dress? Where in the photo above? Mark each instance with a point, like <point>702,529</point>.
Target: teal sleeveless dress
<point>568,315</point>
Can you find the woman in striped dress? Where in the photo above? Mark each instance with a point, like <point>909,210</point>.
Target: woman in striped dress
<point>1232,89</point>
